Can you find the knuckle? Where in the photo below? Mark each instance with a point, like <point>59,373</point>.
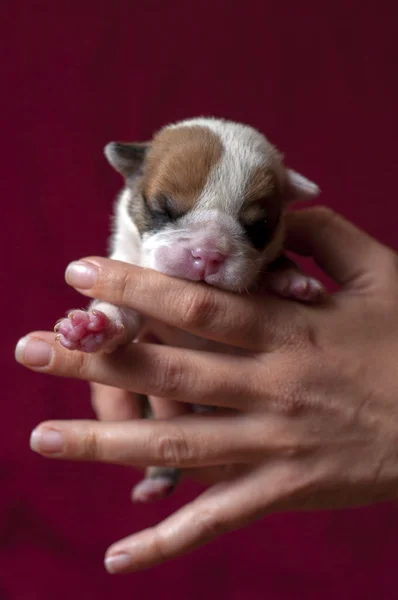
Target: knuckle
<point>287,395</point>
<point>168,377</point>
<point>210,523</point>
<point>299,333</point>
<point>173,450</point>
<point>79,365</point>
<point>67,363</point>
<point>290,402</point>
<point>159,546</point>
<point>198,308</point>
<point>125,288</point>
<point>308,341</point>
<point>90,447</point>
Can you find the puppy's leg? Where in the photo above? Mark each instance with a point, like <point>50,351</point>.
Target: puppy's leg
<point>100,328</point>
<point>285,279</point>
<point>158,483</point>
<point>103,327</point>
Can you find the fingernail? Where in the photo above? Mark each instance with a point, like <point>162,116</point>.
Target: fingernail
<point>33,352</point>
<point>81,275</point>
<point>46,441</point>
<point>117,562</point>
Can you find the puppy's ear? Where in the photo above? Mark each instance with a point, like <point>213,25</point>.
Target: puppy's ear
<point>126,159</point>
<point>298,188</point>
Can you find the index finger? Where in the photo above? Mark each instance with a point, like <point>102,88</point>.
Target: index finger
<point>235,319</point>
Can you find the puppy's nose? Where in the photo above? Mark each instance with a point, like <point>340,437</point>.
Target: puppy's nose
<point>207,262</point>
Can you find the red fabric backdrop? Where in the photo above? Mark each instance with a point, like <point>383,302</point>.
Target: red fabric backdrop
<point>320,79</point>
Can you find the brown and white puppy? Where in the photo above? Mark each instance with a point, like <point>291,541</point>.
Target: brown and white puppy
<point>204,201</point>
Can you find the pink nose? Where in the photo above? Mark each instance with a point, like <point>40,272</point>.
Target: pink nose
<point>207,262</point>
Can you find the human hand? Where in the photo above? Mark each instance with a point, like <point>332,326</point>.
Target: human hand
<point>310,416</point>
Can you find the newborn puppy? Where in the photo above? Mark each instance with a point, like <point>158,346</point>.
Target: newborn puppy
<point>204,201</point>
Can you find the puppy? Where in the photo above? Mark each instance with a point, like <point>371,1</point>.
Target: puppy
<point>205,201</point>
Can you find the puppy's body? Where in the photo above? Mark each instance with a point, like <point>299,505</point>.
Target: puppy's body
<point>204,201</point>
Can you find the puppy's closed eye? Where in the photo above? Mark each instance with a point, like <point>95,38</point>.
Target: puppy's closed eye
<point>162,211</point>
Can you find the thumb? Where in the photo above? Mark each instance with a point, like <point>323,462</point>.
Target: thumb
<point>344,252</point>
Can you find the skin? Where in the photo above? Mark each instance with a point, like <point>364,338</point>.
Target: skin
<point>308,419</point>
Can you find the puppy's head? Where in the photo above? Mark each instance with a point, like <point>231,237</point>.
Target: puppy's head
<point>208,198</point>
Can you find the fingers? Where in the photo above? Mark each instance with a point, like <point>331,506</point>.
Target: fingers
<point>148,369</point>
<point>211,313</point>
<point>183,442</point>
<point>113,404</point>
<point>223,508</point>
<point>343,251</point>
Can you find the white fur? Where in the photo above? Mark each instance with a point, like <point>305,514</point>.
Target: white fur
<point>244,149</point>
<point>302,187</point>
<point>202,227</point>
<point>218,205</point>
<point>126,240</point>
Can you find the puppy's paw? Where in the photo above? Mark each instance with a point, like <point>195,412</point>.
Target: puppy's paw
<point>159,483</point>
<point>88,331</point>
<point>292,283</point>
<point>152,489</point>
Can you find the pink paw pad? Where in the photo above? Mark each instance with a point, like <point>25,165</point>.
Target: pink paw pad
<point>152,489</point>
<point>298,286</point>
<point>87,331</point>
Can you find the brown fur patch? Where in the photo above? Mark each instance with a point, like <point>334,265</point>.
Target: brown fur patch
<point>262,198</point>
<point>262,182</point>
<point>178,164</point>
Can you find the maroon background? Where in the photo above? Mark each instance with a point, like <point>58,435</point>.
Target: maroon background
<point>322,83</point>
